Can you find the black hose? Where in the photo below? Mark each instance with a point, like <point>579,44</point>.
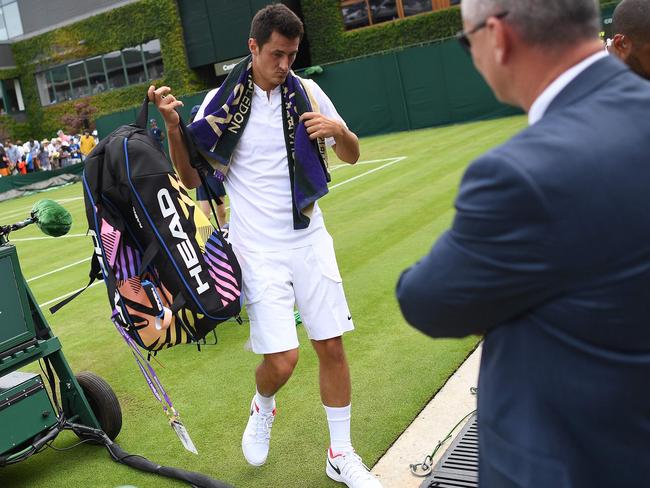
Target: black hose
<point>143,464</point>
<point>37,444</point>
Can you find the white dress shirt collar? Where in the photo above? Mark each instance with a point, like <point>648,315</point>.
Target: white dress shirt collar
<point>541,104</point>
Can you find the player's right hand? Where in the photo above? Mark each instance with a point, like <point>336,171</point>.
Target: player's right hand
<point>166,104</point>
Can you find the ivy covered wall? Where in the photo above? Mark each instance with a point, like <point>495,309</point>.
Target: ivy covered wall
<point>330,42</point>
<point>127,26</point>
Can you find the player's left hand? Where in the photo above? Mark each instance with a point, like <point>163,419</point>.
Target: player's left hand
<point>319,126</point>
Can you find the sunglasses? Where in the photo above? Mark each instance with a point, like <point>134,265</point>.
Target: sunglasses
<point>463,37</point>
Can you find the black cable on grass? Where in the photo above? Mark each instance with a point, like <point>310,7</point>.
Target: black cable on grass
<point>61,449</point>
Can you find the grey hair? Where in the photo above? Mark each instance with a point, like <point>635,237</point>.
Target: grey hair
<point>632,19</point>
<point>549,22</point>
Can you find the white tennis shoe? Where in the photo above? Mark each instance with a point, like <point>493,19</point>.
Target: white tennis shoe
<point>257,436</point>
<point>348,468</point>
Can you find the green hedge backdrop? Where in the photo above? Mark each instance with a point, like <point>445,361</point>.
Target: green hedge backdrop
<point>330,42</point>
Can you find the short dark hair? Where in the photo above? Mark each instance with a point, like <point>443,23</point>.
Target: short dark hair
<point>542,22</point>
<point>632,19</point>
<point>275,18</point>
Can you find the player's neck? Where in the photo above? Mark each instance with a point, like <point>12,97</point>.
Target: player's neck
<point>264,84</point>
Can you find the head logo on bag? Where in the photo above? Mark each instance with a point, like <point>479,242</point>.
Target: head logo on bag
<point>185,248</point>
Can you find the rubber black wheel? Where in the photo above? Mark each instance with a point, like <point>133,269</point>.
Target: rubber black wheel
<point>103,402</point>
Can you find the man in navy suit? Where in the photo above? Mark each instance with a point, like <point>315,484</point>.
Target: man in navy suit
<point>549,255</point>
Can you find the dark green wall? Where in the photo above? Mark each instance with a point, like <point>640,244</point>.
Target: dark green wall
<point>408,89</point>
<point>418,87</point>
<point>218,30</point>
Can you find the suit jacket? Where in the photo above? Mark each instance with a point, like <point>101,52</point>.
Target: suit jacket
<point>549,255</point>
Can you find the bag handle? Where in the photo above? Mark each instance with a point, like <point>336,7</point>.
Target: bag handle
<point>195,157</point>
<point>141,120</point>
<point>197,161</point>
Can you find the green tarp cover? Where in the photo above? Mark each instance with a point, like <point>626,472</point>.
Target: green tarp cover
<point>19,181</point>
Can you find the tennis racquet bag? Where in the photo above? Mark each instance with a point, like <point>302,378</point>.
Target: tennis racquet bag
<point>171,277</point>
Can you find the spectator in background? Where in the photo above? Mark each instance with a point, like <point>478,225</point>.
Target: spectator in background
<point>96,136</point>
<point>631,42</point>
<point>98,88</point>
<point>75,151</point>
<point>62,137</point>
<point>156,133</point>
<point>21,151</point>
<point>13,155</point>
<point>64,155</point>
<point>34,149</point>
<point>44,156</point>
<point>31,167</point>
<point>86,144</point>
<point>22,166</point>
<point>4,162</point>
<point>55,153</point>
<point>26,156</point>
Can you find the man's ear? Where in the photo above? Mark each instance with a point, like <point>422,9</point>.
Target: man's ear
<point>252,46</point>
<point>622,46</point>
<point>501,39</point>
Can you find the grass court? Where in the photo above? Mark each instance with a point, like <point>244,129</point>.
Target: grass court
<point>384,214</point>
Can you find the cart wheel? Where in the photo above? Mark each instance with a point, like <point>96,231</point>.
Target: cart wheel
<point>103,402</point>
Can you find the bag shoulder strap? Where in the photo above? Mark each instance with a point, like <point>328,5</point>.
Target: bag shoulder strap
<point>194,156</point>
<point>310,94</point>
<point>94,274</point>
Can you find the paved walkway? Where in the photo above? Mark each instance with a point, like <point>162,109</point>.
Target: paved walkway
<point>451,404</point>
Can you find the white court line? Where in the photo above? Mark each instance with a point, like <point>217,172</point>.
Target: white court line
<point>71,199</point>
<point>394,161</point>
<point>58,269</point>
<point>27,209</point>
<point>391,162</point>
<point>48,237</point>
<point>371,161</point>
<point>100,282</point>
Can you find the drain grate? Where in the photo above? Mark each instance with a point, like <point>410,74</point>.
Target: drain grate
<point>458,467</point>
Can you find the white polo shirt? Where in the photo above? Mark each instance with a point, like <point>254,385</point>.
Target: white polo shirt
<point>257,181</point>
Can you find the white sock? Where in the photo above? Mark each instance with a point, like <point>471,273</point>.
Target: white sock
<point>265,404</point>
<point>338,419</point>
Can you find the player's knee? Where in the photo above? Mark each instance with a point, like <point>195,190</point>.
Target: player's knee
<point>284,363</point>
<point>330,350</point>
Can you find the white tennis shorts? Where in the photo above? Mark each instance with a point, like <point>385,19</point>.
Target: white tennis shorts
<point>275,281</point>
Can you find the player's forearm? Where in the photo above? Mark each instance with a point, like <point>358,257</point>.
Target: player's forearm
<point>347,146</point>
<point>180,158</point>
